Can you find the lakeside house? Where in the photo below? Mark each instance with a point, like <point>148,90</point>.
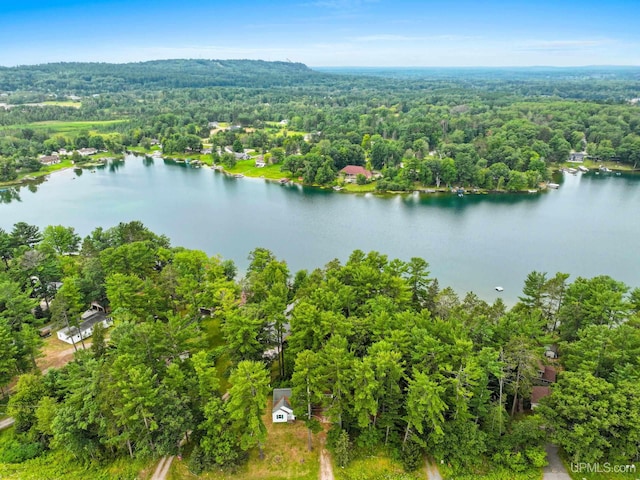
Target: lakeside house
<point>282,411</point>
<point>49,159</point>
<point>351,173</point>
<point>238,155</point>
<point>96,314</point>
<point>85,152</point>
<point>577,157</point>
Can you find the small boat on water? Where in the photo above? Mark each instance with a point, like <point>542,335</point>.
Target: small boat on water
<point>573,171</point>
<point>553,185</point>
<point>283,181</point>
<point>582,168</point>
<point>337,188</point>
<point>532,191</point>
<point>604,169</point>
<point>499,289</point>
<point>238,175</point>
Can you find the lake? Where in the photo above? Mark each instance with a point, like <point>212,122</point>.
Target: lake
<point>473,243</point>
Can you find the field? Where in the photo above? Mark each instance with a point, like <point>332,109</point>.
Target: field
<point>285,457</point>
<point>63,103</point>
<point>65,128</point>
<point>248,168</point>
<point>375,467</point>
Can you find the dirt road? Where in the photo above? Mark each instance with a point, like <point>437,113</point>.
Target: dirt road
<point>555,470</point>
<point>163,468</point>
<point>432,472</point>
<point>326,470</point>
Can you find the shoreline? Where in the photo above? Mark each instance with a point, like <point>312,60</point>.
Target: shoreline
<point>343,188</point>
<point>42,174</point>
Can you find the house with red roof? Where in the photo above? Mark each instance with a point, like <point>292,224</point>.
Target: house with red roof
<point>351,172</point>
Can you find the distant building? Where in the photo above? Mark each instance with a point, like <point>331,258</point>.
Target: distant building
<point>96,314</point>
<point>282,411</point>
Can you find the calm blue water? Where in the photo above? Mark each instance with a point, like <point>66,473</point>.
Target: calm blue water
<point>588,227</point>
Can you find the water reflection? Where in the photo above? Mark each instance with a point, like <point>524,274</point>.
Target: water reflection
<point>115,165</point>
<point>8,195</point>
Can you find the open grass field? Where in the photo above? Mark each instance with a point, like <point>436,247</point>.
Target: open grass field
<point>63,103</point>
<point>248,168</point>
<point>374,468</point>
<point>286,457</point>
<point>65,128</point>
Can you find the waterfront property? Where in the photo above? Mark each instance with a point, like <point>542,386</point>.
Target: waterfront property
<point>351,173</point>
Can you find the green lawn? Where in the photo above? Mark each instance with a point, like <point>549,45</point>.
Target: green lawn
<point>355,188</point>
<point>375,467</point>
<point>63,103</point>
<point>286,457</point>
<point>65,128</point>
<point>248,168</point>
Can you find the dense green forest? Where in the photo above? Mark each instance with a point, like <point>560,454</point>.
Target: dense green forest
<point>392,360</point>
<point>495,129</point>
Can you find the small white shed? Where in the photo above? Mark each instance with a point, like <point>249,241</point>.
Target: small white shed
<point>282,411</point>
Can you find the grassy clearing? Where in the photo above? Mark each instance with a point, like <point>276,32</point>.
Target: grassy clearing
<point>594,164</point>
<point>355,188</point>
<point>285,457</point>
<point>374,468</point>
<point>57,353</point>
<point>65,128</point>
<point>63,103</point>
<point>248,169</point>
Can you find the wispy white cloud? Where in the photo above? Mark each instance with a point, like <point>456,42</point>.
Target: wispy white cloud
<point>339,4</point>
<point>564,45</point>
<point>411,38</point>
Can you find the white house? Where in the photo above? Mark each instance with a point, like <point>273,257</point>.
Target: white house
<point>282,411</point>
<point>90,318</point>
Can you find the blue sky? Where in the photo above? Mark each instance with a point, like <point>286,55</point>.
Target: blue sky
<point>324,32</point>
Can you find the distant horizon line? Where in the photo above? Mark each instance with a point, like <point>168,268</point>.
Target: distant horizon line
<point>329,66</point>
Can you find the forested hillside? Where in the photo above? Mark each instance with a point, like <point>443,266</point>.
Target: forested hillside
<point>399,365</point>
<point>92,78</point>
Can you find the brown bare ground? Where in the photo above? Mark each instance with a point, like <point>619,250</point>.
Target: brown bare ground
<point>57,353</point>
